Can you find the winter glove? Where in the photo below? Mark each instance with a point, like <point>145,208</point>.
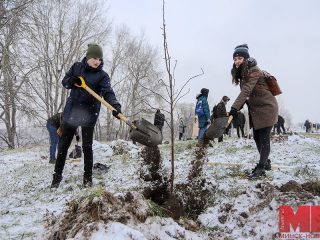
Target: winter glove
<point>116,112</point>
<point>78,138</point>
<point>233,112</point>
<point>74,80</point>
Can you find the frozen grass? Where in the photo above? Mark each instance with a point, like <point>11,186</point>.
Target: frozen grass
<point>25,196</point>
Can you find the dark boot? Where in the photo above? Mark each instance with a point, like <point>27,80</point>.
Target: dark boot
<point>57,178</point>
<point>257,173</point>
<point>52,161</point>
<point>267,167</point>
<point>87,181</point>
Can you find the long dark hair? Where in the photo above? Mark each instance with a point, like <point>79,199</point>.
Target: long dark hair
<point>236,74</point>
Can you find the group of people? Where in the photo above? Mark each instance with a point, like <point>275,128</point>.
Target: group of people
<point>262,106</point>
<point>82,109</point>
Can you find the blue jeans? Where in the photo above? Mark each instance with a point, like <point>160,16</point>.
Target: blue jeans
<point>201,132</point>
<point>54,140</point>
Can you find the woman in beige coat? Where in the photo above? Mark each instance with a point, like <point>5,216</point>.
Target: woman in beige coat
<point>262,105</point>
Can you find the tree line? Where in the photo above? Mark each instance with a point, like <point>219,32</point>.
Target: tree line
<point>39,41</point>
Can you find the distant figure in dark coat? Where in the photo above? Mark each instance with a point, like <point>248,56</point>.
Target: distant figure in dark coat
<point>239,123</point>
<point>159,119</point>
<point>53,126</point>
<point>307,125</point>
<point>182,128</point>
<point>280,125</point>
<point>55,132</point>
<point>220,111</point>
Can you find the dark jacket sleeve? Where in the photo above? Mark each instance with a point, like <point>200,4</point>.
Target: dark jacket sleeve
<point>75,70</point>
<point>108,93</point>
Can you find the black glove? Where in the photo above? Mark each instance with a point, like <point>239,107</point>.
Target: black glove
<point>78,138</point>
<point>116,112</point>
<point>74,80</point>
<point>233,112</point>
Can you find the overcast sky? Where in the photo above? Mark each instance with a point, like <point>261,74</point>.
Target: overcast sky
<point>283,36</point>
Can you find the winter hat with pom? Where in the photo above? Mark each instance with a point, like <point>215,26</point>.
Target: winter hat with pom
<point>241,51</point>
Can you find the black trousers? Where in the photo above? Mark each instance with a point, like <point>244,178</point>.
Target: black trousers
<point>238,131</point>
<point>279,127</point>
<point>68,132</point>
<point>180,136</point>
<point>262,139</point>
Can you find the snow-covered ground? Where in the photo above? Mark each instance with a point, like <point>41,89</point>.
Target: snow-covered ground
<point>240,209</point>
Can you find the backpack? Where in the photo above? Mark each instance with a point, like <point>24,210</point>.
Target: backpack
<point>199,108</point>
<point>272,83</point>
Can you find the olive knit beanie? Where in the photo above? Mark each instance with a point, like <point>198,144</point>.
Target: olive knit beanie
<point>94,51</point>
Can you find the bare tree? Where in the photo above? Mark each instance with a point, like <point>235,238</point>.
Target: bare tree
<point>173,93</point>
<point>133,65</point>
<point>11,77</point>
<point>58,34</point>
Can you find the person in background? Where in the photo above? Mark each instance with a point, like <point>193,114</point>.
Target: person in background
<point>159,119</point>
<point>53,127</point>
<point>221,111</point>
<point>182,127</point>
<point>239,123</point>
<point>262,105</point>
<point>203,112</point>
<point>82,109</point>
<point>307,125</point>
<point>280,125</point>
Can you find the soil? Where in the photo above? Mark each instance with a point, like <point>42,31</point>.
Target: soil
<point>189,199</point>
<point>89,209</point>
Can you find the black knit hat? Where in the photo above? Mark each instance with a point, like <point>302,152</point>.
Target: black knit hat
<point>94,51</point>
<point>241,51</point>
<point>205,91</point>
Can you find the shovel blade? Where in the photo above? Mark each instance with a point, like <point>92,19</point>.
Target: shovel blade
<point>146,133</point>
<point>217,128</point>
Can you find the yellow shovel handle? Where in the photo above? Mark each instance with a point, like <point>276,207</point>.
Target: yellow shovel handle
<point>229,120</point>
<point>104,102</point>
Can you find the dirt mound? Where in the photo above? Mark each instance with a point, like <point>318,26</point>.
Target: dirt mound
<point>197,164</point>
<point>98,206</point>
<point>312,187</point>
<point>189,199</point>
<point>195,196</point>
<point>152,162</point>
<point>293,192</point>
<point>291,186</point>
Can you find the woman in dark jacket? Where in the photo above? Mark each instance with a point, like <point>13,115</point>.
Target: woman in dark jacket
<point>82,109</point>
<point>262,105</point>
